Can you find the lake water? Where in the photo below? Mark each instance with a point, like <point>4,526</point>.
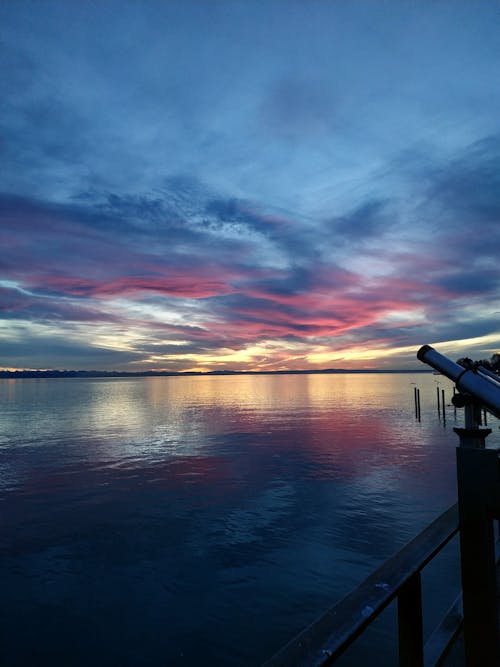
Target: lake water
<point>206,520</point>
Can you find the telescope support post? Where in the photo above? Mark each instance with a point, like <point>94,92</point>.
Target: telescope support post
<point>478,478</point>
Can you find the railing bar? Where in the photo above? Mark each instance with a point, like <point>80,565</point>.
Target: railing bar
<point>440,641</point>
<point>328,637</point>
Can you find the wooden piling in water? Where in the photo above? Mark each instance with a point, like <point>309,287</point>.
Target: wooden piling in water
<point>416,396</point>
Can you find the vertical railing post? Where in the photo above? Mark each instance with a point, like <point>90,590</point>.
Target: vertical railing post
<point>410,626</point>
<point>478,481</point>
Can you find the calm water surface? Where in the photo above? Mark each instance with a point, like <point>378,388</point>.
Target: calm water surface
<point>173,521</point>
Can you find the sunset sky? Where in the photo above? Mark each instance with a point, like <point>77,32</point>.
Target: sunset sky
<point>248,185</point>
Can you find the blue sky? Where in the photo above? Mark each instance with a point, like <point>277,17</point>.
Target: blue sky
<point>248,185</point>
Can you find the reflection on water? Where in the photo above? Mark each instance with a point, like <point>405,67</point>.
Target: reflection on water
<point>165,521</point>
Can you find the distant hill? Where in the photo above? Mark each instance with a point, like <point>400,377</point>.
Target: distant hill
<point>127,374</point>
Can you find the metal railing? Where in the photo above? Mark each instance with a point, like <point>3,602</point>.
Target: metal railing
<point>399,577</point>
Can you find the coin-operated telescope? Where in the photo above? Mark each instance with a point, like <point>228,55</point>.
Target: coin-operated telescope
<point>478,487</point>
<point>478,387</point>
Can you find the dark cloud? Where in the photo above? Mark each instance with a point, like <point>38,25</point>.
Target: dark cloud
<point>15,304</point>
<point>467,283</point>
<point>50,352</point>
<point>239,212</point>
<point>468,187</point>
<point>72,245</point>
<point>371,220</point>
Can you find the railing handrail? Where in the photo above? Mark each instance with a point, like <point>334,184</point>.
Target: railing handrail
<point>328,637</point>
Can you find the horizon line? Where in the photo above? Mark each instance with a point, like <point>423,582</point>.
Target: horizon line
<point>30,373</point>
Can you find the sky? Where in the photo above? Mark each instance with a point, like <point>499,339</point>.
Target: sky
<point>248,185</point>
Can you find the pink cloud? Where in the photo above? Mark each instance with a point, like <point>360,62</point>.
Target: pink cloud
<point>174,285</point>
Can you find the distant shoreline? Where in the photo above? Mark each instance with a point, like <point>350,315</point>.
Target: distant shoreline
<point>12,375</point>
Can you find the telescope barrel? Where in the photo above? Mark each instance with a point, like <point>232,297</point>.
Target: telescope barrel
<point>446,366</point>
<point>484,387</point>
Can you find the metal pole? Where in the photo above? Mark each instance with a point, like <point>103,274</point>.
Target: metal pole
<point>410,625</point>
<point>478,481</point>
